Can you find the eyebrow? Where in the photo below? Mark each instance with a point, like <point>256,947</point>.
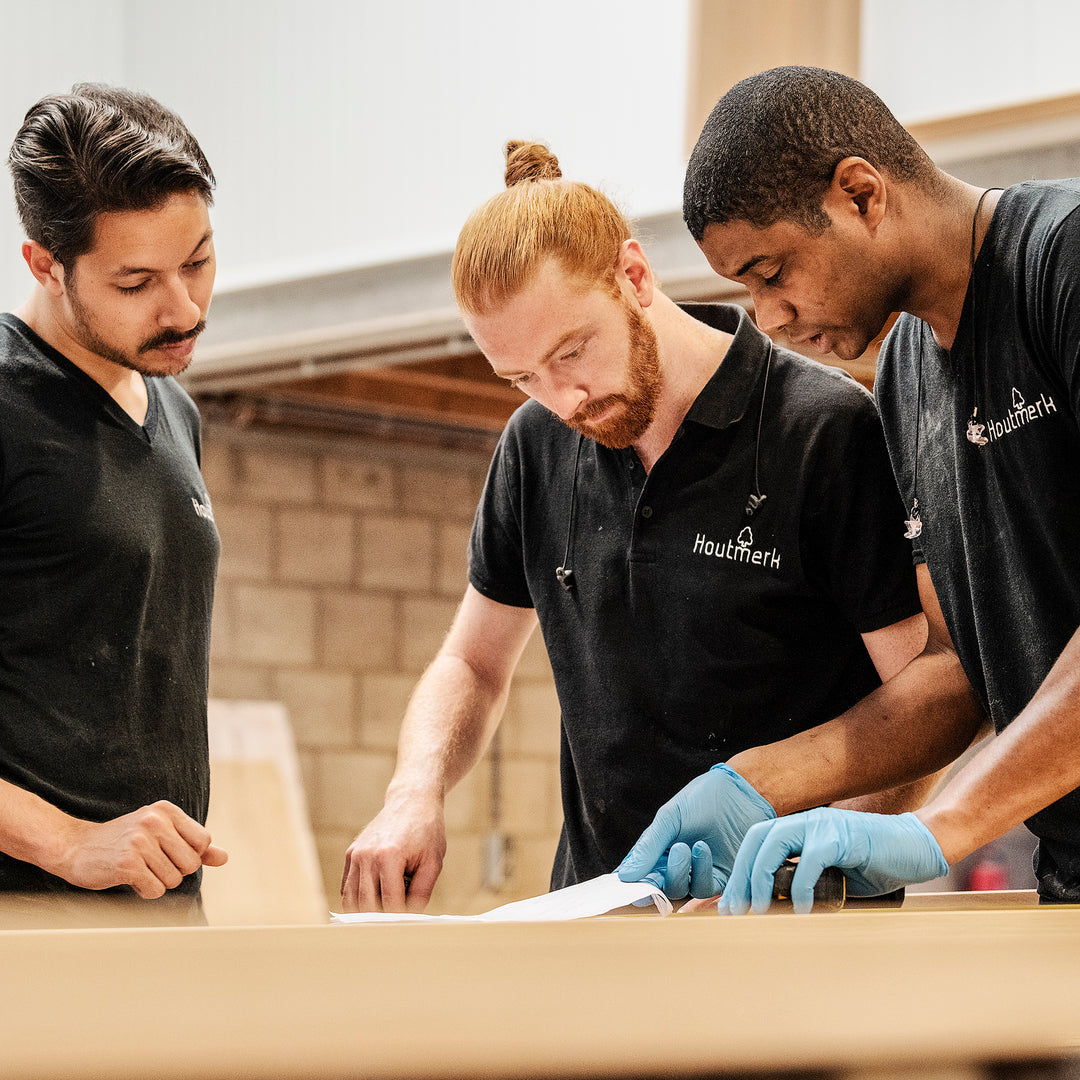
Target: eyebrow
<point>128,271</point>
<point>750,264</point>
<point>561,343</point>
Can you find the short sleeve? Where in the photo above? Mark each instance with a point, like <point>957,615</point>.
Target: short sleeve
<point>496,547</point>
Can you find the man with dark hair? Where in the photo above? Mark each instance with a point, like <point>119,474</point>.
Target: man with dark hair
<point>108,548</point>
<point>978,390</point>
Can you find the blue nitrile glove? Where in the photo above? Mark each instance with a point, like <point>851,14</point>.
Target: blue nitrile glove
<point>877,852</point>
<point>712,813</point>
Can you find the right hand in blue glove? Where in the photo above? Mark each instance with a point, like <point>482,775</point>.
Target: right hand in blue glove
<point>691,843</point>
<point>877,852</point>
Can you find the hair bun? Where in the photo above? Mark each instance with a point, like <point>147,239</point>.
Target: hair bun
<point>530,161</point>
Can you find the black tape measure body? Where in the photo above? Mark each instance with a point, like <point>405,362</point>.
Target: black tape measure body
<point>829,892</point>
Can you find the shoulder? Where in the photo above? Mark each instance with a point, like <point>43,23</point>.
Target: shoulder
<point>1048,197</point>
<point>175,397</point>
<point>177,405</point>
<point>1031,214</point>
<point>25,372</point>
<point>817,393</point>
<point>824,416</point>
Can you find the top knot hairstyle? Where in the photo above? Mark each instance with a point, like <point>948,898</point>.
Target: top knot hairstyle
<point>539,215</point>
<point>99,149</point>
<point>768,150</point>
<point>530,161</point>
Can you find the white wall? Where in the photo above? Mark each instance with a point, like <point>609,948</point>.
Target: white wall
<point>49,44</point>
<point>352,132</point>
<point>933,58</point>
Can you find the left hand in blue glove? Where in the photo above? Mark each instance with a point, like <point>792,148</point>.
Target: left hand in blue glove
<point>691,843</point>
<point>877,852</point>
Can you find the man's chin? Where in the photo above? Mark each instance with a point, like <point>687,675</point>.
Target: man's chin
<point>849,351</point>
<point>612,436</point>
<point>163,371</point>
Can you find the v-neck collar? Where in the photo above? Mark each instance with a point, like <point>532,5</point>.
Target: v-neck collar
<point>144,431</point>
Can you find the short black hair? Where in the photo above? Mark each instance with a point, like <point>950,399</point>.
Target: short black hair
<point>770,146</point>
<point>99,149</point>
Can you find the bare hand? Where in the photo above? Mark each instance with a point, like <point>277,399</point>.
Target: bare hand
<point>394,863</point>
<point>151,849</point>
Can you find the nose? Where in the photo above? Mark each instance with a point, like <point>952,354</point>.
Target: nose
<point>180,309</point>
<point>567,398</point>
<point>771,313</point>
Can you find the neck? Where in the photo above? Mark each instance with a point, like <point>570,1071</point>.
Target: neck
<point>689,354</point>
<point>940,260</point>
<point>125,386</point>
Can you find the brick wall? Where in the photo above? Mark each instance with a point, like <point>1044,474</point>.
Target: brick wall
<point>342,565</point>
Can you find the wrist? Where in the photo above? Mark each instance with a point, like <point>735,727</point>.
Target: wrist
<point>33,830</point>
<point>404,793</point>
<point>750,794</point>
<point>948,830</point>
<point>759,773</point>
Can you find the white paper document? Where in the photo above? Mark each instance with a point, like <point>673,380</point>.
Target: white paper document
<point>596,897</point>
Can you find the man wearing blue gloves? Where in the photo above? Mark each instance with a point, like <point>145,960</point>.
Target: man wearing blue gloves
<point>805,188</point>
<point>696,520</point>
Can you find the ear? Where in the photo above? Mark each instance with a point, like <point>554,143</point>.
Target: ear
<point>634,268</point>
<point>857,187</point>
<point>47,270</point>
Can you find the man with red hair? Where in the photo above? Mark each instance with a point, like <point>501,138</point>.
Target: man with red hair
<point>697,521</point>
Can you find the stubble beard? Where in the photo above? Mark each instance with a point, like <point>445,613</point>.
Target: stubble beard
<point>89,339</point>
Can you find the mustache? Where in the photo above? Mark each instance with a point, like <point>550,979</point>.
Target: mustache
<point>597,408</point>
<point>172,337</point>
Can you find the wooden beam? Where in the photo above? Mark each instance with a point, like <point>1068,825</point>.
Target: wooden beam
<point>730,39</point>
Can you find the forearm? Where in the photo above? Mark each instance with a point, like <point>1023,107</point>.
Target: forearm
<point>1031,764</point>
<point>447,726</point>
<point>910,727</point>
<point>31,829</point>
<point>894,800</point>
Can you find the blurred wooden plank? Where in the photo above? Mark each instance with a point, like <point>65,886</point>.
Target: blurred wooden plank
<point>992,899</point>
<point>730,39</point>
<point>258,813</point>
<point>923,991</point>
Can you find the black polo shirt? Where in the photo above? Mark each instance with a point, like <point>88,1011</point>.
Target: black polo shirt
<point>693,631</point>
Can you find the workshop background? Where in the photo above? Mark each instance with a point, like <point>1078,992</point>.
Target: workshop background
<point>348,418</point>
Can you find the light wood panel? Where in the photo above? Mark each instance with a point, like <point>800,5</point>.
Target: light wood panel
<point>938,993</point>
<point>258,813</point>
<point>730,39</point>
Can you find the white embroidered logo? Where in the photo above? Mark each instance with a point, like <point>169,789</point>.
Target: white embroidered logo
<point>740,550</point>
<point>1021,415</point>
<point>203,509</point>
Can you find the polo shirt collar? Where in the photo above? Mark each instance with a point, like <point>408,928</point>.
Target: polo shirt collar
<point>725,397</point>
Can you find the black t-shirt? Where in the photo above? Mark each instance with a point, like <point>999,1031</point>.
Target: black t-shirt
<point>108,551</point>
<point>1001,521</point>
<point>693,631</point>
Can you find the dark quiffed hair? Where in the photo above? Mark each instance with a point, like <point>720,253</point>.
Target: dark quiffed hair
<point>770,146</point>
<point>99,149</point>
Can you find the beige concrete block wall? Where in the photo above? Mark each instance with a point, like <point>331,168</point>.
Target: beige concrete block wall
<point>342,565</point>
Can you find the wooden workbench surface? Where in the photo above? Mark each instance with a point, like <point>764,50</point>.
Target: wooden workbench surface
<point>602,997</point>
